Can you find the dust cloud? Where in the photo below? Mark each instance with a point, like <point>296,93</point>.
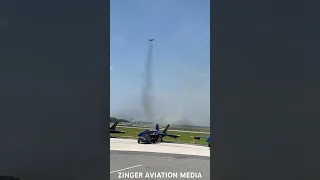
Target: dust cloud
<point>187,102</point>
<point>147,90</point>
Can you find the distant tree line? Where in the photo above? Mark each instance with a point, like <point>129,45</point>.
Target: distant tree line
<point>113,119</point>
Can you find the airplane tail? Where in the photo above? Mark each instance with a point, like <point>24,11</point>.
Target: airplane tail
<point>165,130</point>
<point>114,126</point>
<point>157,127</point>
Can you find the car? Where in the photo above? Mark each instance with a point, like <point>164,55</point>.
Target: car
<point>148,138</point>
<point>154,137</point>
<point>144,139</point>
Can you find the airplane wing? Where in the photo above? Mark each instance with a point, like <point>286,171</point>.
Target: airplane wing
<point>173,135</point>
<point>199,137</point>
<point>116,131</point>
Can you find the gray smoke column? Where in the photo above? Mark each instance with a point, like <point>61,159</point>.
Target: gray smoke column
<point>147,100</point>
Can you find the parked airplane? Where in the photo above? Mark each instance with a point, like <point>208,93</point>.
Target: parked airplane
<point>159,133</point>
<point>207,139</point>
<point>113,128</point>
<point>130,122</point>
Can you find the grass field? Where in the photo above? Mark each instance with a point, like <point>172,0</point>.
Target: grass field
<point>190,129</point>
<point>184,136</point>
<point>172,127</point>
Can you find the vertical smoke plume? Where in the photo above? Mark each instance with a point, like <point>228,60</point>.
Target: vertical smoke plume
<point>147,101</point>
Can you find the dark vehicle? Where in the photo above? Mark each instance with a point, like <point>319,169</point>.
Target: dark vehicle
<point>148,138</point>
<point>144,139</point>
<point>158,133</point>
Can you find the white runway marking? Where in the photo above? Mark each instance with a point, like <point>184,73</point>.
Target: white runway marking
<point>125,168</point>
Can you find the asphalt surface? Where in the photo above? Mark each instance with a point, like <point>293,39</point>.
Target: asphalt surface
<point>147,163</point>
<point>119,144</point>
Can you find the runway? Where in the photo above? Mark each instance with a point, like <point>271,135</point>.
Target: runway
<point>146,165</point>
<point>183,149</point>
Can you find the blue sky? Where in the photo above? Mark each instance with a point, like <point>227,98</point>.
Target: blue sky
<point>181,58</point>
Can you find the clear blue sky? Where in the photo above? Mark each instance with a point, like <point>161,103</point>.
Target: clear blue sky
<point>181,56</point>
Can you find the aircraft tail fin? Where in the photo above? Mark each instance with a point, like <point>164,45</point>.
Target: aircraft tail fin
<point>114,126</point>
<point>157,127</point>
<point>165,130</point>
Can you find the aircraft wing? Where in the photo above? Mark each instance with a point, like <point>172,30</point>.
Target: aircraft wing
<point>173,135</point>
<point>116,131</point>
<point>199,137</point>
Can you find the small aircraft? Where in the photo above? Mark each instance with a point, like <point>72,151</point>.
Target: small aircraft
<point>159,133</point>
<point>130,122</point>
<point>207,138</point>
<point>113,128</point>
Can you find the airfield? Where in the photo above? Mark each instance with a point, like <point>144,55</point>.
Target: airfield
<point>186,134</point>
<point>143,162</point>
<point>130,160</point>
<point>161,147</point>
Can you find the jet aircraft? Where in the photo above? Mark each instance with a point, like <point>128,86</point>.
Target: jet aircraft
<point>113,128</point>
<point>207,139</point>
<point>130,122</point>
<point>159,133</point>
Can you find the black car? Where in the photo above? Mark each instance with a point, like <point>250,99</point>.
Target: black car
<point>148,138</point>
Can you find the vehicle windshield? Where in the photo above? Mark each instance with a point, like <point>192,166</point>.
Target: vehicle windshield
<point>144,136</point>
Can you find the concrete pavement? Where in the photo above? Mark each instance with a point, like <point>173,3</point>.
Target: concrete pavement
<point>146,165</point>
<point>183,149</point>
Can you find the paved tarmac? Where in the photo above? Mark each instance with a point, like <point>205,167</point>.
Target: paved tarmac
<point>132,145</point>
<point>149,165</point>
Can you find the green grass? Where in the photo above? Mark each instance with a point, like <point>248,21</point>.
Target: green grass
<point>192,129</point>
<point>206,130</point>
<point>184,136</point>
